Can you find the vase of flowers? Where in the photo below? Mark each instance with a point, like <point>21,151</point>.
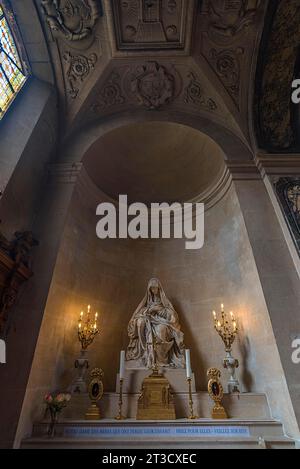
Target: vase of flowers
<point>55,404</point>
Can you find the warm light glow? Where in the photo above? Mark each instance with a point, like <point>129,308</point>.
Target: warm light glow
<point>87,328</point>
<point>226,327</point>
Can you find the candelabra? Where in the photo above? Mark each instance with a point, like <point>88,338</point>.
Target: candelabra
<point>228,330</point>
<point>87,330</point>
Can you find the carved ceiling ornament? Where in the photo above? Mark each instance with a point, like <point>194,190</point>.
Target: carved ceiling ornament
<point>150,24</point>
<point>274,116</point>
<point>194,94</point>
<point>111,94</point>
<point>153,85</point>
<point>226,64</point>
<point>78,69</point>
<point>229,17</point>
<point>73,19</point>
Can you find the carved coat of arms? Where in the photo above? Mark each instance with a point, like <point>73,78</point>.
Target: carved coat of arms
<point>153,85</point>
<point>229,17</point>
<point>74,19</point>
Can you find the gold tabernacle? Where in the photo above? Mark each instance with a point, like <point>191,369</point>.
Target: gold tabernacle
<point>156,400</point>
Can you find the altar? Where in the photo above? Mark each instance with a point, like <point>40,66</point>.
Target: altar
<point>250,427</point>
<point>156,402</point>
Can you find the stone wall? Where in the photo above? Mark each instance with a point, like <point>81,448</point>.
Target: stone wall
<point>112,276</point>
<point>28,136</point>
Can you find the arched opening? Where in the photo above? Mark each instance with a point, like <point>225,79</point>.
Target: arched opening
<point>112,274</point>
<point>155,162</point>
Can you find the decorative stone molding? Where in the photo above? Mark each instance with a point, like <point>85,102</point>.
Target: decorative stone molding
<point>111,94</point>
<point>278,164</point>
<point>63,173</point>
<point>78,69</point>
<point>195,95</point>
<point>228,18</point>
<point>243,171</point>
<point>155,24</point>
<point>72,19</point>
<point>226,64</point>
<point>153,85</point>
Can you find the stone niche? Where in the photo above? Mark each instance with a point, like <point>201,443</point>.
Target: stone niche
<point>112,275</point>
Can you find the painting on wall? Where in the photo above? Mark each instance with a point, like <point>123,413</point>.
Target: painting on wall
<point>288,193</point>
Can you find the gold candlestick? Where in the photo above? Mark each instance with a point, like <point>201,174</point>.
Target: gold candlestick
<point>227,329</point>
<point>120,416</point>
<point>192,416</point>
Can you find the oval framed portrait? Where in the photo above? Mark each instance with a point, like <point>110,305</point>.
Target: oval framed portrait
<point>215,390</point>
<point>96,389</point>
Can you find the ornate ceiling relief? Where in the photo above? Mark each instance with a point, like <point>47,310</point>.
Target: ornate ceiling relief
<point>111,94</point>
<point>226,64</point>
<point>230,17</point>
<point>153,85</point>
<point>78,69</point>
<point>72,19</point>
<point>274,79</point>
<point>225,42</point>
<point>74,24</point>
<point>195,95</point>
<point>151,24</point>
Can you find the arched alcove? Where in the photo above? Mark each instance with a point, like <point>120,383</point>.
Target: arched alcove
<point>112,274</point>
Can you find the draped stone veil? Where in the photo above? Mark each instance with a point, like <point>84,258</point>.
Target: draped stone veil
<point>156,331</point>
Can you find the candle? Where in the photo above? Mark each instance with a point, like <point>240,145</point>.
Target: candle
<point>214,315</point>
<point>188,364</point>
<point>122,364</point>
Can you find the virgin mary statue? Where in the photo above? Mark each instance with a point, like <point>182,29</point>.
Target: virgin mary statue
<point>154,331</point>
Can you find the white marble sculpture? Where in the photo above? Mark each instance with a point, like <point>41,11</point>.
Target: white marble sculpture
<point>154,331</point>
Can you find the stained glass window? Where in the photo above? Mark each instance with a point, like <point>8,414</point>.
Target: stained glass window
<point>13,71</point>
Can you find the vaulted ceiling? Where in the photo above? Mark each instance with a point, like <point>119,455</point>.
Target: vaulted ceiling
<point>211,58</point>
<point>196,57</point>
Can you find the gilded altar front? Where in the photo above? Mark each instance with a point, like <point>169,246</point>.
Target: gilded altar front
<point>156,400</point>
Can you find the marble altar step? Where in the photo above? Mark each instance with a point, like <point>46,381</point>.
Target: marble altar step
<point>179,434</point>
<point>238,406</point>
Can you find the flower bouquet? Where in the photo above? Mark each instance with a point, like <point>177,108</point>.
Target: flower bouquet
<point>55,404</point>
